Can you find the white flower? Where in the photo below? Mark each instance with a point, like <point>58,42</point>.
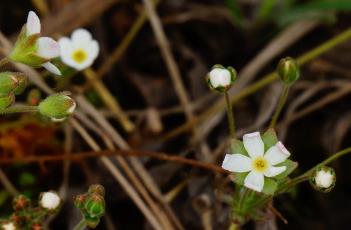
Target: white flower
<point>80,51</point>
<point>47,48</point>
<point>8,226</point>
<point>220,77</point>
<point>258,163</point>
<point>324,178</point>
<point>50,200</point>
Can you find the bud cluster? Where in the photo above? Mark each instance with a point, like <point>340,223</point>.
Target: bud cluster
<point>11,84</point>
<point>25,216</point>
<point>92,204</point>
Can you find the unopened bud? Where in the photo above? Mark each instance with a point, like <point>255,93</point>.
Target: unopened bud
<point>6,100</point>
<point>220,79</point>
<point>57,106</point>
<point>20,202</point>
<point>80,200</point>
<point>36,226</point>
<point>288,70</point>
<point>323,179</point>
<point>34,97</point>
<point>97,189</point>
<point>12,82</point>
<point>95,205</point>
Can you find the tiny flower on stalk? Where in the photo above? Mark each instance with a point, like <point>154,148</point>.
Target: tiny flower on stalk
<point>33,50</point>
<point>323,179</point>
<point>258,163</point>
<point>220,79</point>
<point>288,70</point>
<point>49,201</point>
<point>57,106</point>
<point>79,51</point>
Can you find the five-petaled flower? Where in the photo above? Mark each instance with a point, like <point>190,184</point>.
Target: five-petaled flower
<point>33,50</point>
<point>80,51</point>
<point>259,164</point>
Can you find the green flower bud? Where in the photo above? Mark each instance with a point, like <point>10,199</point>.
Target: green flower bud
<point>220,79</point>
<point>97,189</point>
<point>323,179</point>
<point>95,205</point>
<point>92,222</point>
<point>288,70</point>
<point>20,202</point>
<point>34,97</point>
<point>12,82</point>
<point>80,200</point>
<point>6,100</point>
<point>57,106</point>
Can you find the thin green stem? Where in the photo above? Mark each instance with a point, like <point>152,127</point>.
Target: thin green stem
<point>230,114</point>
<point>279,108</point>
<point>4,61</point>
<point>81,225</point>
<point>19,109</point>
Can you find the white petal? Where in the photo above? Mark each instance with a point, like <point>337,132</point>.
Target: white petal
<point>81,37</point>
<point>277,154</point>
<point>48,48</point>
<point>253,144</point>
<point>66,46</point>
<point>33,24</point>
<point>220,77</point>
<point>93,49</point>
<point>324,179</point>
<point>273,171</point>
<point>51,68</point>
<point>237,163</point>
<point>254,181</point>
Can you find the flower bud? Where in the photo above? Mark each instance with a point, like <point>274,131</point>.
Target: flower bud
<point>57,106</point>
<point>80,200</point>
<point>34,97</point>
<point>95,205</point>
<point>220,79</point>
<point>323,179</point>
<point>12,82</point>
<point>49,201</point>
<point>97,189</point>
<point>288,70</point>
<point>6,100</point>
<point>36,226</point>
<point>20,202</point>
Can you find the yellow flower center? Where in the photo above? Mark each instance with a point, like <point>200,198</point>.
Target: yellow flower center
<point>260,164</point>
<point>79,55</point>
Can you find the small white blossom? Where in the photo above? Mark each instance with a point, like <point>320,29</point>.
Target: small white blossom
<point>8,226</point>
<point>79,51</point>
<point>220,77</point>
<point>324,178</point>
<point>259,164</point>
<point>50,200</point>
<point>47,48</point>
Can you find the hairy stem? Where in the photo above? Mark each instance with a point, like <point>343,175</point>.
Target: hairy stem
<point>81,225</point>
<point>19,109</point>
<point>279,108</point>
<point>230,114</point>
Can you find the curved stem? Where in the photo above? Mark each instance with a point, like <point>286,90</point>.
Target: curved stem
<point>81,225</point>
<point>230,114</point>
<point>4,61</point>
<point>19,109</point>
<point>279,108</point>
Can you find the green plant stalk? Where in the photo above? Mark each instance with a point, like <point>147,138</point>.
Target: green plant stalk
<point>279,108</point>
<point>4,61</point>
<point>19,109</point>
<point>230,115</point>
<point>81,225</point>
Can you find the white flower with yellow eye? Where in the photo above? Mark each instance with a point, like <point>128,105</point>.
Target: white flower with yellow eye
<point>259,164</point>
<point>79,51</point>
<point>8,226</point>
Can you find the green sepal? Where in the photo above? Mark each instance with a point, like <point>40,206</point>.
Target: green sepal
<point>6,101</point>
<point>270,186</point>
<point>239,178</point>
<point>290,167</point>
<point>92,222</point>
<point>237,146</point>
<point>269,139</point>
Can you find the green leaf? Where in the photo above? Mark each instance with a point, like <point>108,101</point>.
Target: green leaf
<point>239,178</point>
<point>270,186</point>
<point>290,167</point>
<point>269,138</point>
<point>237,146</point>
<point>27,179</point>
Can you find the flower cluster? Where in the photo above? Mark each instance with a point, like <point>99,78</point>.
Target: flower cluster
<point>92,204</point>
<point>27,217</point>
